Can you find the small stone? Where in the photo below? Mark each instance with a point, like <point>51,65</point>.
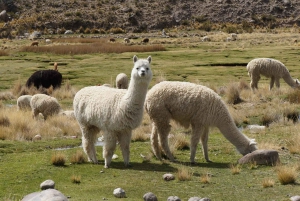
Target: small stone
<point>194,199</point>
<point>48,184</point>
<point>150,197</point>
<point>168,177</point>
<point>173,198</point>
<point>119,193</point>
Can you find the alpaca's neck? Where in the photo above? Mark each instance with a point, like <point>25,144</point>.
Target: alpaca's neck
<point>136,93</point>
<point>289,80</point>
<point>232,133</point>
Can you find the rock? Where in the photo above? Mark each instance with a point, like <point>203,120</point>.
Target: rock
<point>205,199</point>
<point>261,157</point>
<point>48,184</point>
<point>173,198</point>
<point>256,128</point>
<point>46,195</point>
<point>150,197</point>
<point>69,32</point>
<point>119,193</point>
<point>295,198</point>
<point>37,137</point>
<point>168,177</point>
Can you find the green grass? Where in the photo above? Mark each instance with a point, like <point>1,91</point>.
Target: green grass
<point>24,165</point>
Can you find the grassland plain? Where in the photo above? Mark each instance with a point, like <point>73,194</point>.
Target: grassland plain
<point>25,164</point>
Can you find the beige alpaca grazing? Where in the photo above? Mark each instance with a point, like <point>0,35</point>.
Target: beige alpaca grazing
<point>35,43</point>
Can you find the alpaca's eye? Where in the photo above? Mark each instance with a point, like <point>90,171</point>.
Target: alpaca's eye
<point>147,68</point>
<point>137,68</point>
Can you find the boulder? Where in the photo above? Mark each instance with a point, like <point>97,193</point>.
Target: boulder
<point>46,195</point>
<point>261,157</point>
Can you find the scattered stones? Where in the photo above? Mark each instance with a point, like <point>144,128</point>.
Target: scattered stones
<point>150,197</point>
<point>48,184</point>
<point>168,177</point>
<point>173,198</point>
<point>119,193</point>
<point>261,157</point>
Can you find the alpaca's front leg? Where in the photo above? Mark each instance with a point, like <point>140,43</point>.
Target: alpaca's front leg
<point>204,139</point>
<point>110,142</point>
<point>124,138</point>
<point>272,82</point>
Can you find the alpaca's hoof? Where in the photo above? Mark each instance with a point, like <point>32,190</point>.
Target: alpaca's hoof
<point>128,165</point>
<point>209,161</point>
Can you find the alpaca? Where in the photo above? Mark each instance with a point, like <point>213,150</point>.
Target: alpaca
<point>23,102</point>
<point>114,111</point>
<point>145,40</point>
<point>269,68</point>
<point>45,78</point>
<point>112,40</point>
<point>44,104</point>
<point>35,43</point>
<point>122,81</point>
<point>190,104</point>
<point>126,40</point>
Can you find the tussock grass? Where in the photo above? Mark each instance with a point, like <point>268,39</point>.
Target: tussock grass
<point>235,169</point>
<point>286,174</point>
<point>293,96</point>
<point>232,94</point>
<point>76,179</point>
<point>205,178</point>
<point>179,141</point>
<point>58,159</point>
<point>6,96</point>
<point>266,183</point>
<point>294,144</point>
<point>184,174</point>
<point>78,158</point>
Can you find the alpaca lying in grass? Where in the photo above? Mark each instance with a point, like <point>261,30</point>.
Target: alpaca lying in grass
<point>114,111</point>
<point>191,105</point>
<point>270,68</point>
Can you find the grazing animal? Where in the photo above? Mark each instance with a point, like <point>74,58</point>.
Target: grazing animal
<point>35,43</point>
<point>126,40</point>
<point>112,40</point>
<point>145,40</point>
<point>45,78</point>
<point>191,105</point>
<point>114,111</point>
<point>44,104</point>
<point>205,39</point>
<point>122,81</point>
<point>23,102</point>
<point>270,68</point>
<point>48,41</point>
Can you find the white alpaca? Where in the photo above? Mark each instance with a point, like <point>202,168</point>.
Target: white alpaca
<point>205,39</point>
<point>126,40</point>
<point>114,111</point>
<point>44,104</point>
<point>122,81</point>
<point>23,102</point>
<point>191,105</point>
<point>269,68</point>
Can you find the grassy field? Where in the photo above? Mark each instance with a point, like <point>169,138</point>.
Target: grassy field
<point>218,64</point>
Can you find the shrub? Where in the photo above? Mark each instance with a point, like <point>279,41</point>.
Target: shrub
<point>58,159</point>
<point>116,30</point>
<point>206,26</point>
<point>286,175</point>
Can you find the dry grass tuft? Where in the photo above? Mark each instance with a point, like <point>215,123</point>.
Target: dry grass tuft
<point>6,96</point>
<point>266,183</point>
<point>179,141</point>
<point>293,96</point>
<point>76,179</point>
<point>4,121</point>
<point>293,144</point>
<point>269,117</point>
<point>291,113</point>
<point>286,175</point>
<point>235,169</point>
<point>232,94</point>
<point>78,158</point>
<point>184,174</point>
<point>205,178</point>
<point>58,159</point>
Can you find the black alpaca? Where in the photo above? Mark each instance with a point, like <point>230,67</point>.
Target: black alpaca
<point>45,78</point>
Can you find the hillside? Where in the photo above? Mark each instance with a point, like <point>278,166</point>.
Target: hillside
<point>143,15</point>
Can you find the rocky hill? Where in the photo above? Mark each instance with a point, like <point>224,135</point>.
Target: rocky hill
<point>146,15</point>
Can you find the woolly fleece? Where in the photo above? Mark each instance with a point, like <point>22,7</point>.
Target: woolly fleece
<point>270,68</point>
<point>191,105</point>
<point>114,111</point>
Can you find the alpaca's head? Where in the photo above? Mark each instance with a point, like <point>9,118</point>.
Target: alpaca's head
<point>141,70</point>
<point>297,84</point>
<point>250,147</point>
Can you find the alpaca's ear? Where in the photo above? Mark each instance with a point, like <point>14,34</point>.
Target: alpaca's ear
<point>135,58</point>
<point>149,59</point>
<point>252,142</point>
<point>297,81</point>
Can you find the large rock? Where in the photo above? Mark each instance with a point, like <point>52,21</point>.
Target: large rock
<point>150,197</point>
<point>46,195</point>
<point>119,193</point>
<point>261,157</point>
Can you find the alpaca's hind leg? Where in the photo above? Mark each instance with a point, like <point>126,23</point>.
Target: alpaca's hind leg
<point>254,82</point>
<point>154,142</point>
<point>110,143</point>
<point>204,139</point>
<point>163,133</point>
<point>124,139</point>
<point>89,135</point>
